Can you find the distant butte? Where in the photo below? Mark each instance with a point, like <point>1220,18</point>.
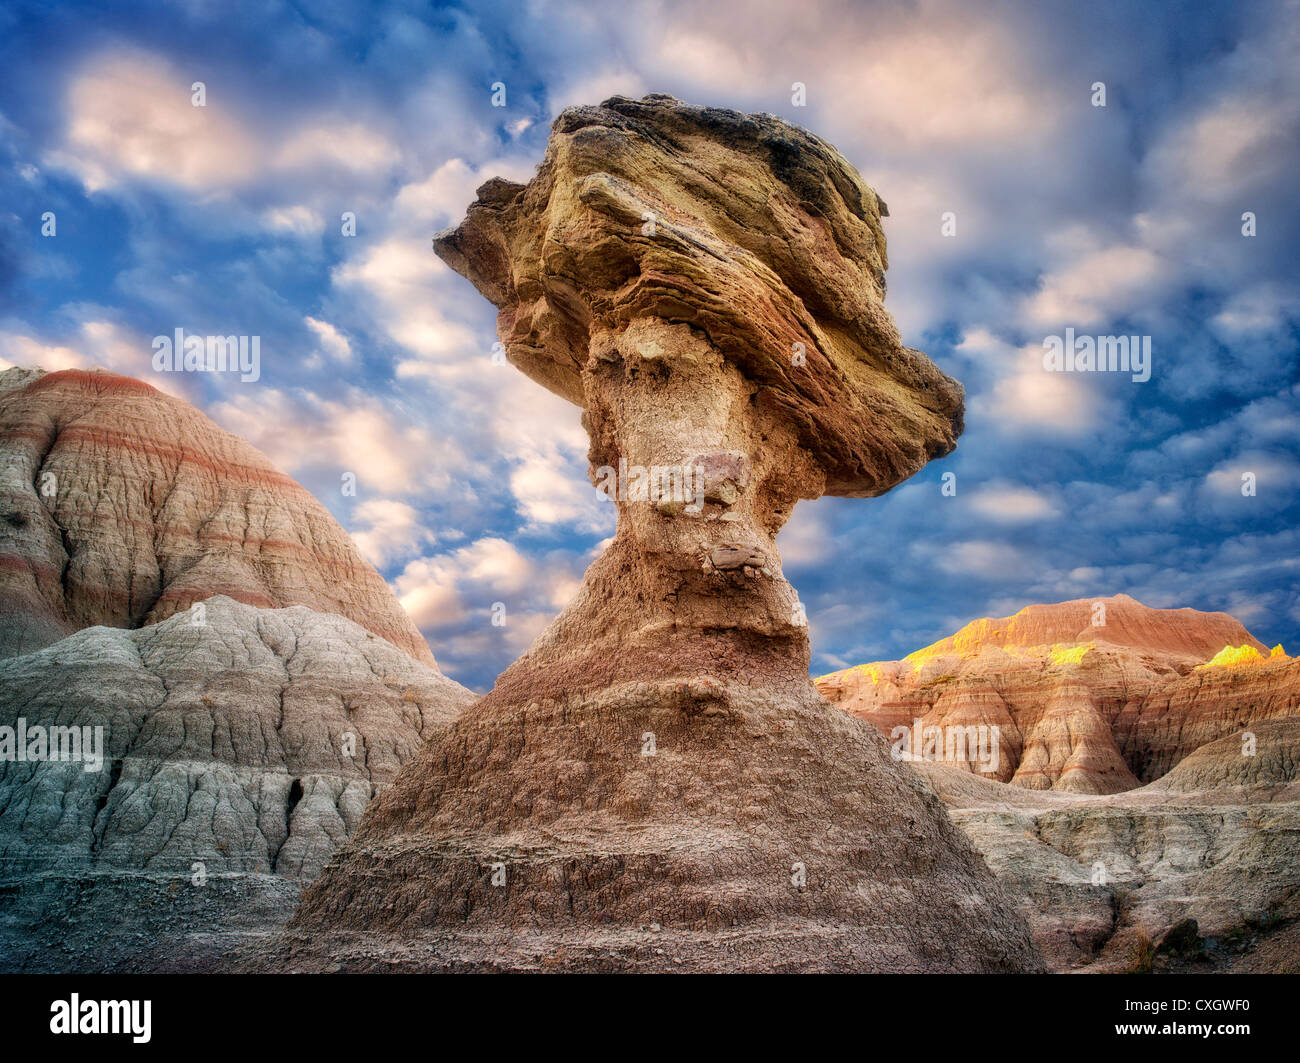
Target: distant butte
<point>123,506</point>
<point>1093,696</point>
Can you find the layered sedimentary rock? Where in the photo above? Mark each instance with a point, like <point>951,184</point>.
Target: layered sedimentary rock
<point>656,784</point>
<point>1197,871</point>
<point>1091,696</point>
<point>212,751</point>
<point>1231,692</point>
<point>121,506</point>
<point>239,749</point>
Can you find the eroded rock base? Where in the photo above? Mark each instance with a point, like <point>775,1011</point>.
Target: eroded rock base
<point>687,824</point>
<point>1106,882</point>
<point>91,920</point>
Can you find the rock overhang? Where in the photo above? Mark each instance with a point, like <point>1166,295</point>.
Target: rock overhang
<point>755,233</point>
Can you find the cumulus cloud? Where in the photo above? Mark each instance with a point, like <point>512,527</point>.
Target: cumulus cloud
<point>332,342</point>
<point>935,83</point>
<point>95,343</point>
<point>130,114</point>
<point>548,493</point>
<point>1234,139</point>
<point>455,597</point>
<point>339,143</point>
<point>1261,312</point>
<point>1011,503</point>
<point>806,538</point>
<point>296,218</point>
<point>1096,288</point>
<point>984,559</point>
<point>359,433</point>
<point>1251,484</point>
<point>1029,397</point>
<point>444,334</point>
<point>386,530</point>
<point>397,278</point>
<point>412,296</point>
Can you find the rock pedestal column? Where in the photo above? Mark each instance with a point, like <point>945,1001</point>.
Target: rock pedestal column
<point>703,476</point>
<point>656,784</point>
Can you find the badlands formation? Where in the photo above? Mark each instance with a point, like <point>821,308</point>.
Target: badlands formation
<point>1093,696</point>
<point>238,742</point>
<point>656,784</point>
<point>1152,816</point>
<point>123,506</point>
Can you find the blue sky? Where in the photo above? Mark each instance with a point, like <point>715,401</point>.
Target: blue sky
<point>376,359</point>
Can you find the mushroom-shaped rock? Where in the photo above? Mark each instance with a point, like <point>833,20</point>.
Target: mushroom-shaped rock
<point>707,285</point>
<point>646,215</point>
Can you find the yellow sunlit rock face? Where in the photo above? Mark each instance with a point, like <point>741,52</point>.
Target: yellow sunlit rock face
<point>965,643</point>
<point>1061,654</point>
<point>1079,689</point>
<point>1239,656</point>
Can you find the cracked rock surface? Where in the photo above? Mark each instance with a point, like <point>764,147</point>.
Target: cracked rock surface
<point>656,784</point>
<point>239,744</point>
<point>121,506</point>
<point>1215,841</point>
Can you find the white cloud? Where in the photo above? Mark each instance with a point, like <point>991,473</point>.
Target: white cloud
<point>1097,287</point>
<point>97,343</point>
<point>416,299</point>
<point>338,143</point>
<point>534,437</point>
<point>542,439</point>
<point>386,530</point>
<point>928,77</point>
<point>1012,503</point>
<point>452,597</point>
<point>983,559</point>
<point>936,82</point>
<point>298,219</point>
<point>359,433</point>
<point>1030,397</point>
<point>332,342</point>
<point>130,115</point>
<point>396,277</point>
<point>1232,142</point>
<point>1271,479</point>
<point>1255,313</point>
<point>595,87</point>
<point>805,539</point>
<point>442,198</point>
<point>547,494</point>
